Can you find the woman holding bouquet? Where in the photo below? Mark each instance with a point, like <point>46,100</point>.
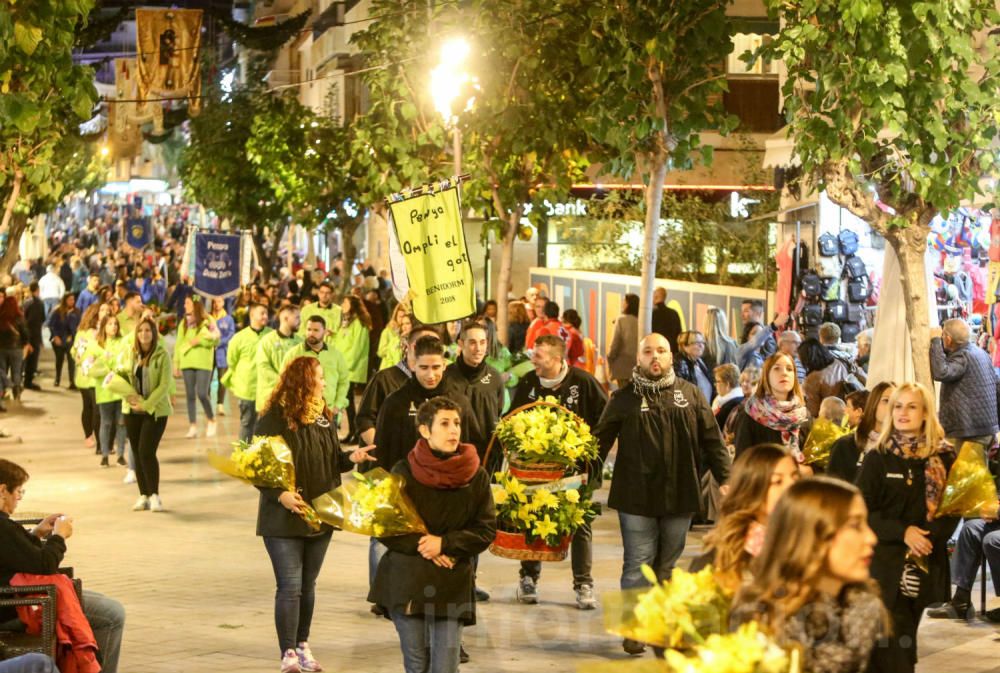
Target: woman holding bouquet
<point>298,413</point>
<point>90,417</point>
<point>148,372</point>
<point>811,582</point>
<point>902,481</point>
<point>425,582</point>
<point>106,349</point>
<point>352,340</point>
<point>194,357</point>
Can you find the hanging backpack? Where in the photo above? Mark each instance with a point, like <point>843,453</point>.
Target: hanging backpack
<point>855,268</point>
<point>812,315</point>
<point>836,311</point>
<point>855,313</point>
<point>812,286</point>
<point>828,246</point>
<point>849,332</point>
<point>831,288</point>
<point>858,289</point>
<point>848,242</point>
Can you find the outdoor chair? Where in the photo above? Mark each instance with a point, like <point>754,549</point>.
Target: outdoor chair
<point>14,640</point>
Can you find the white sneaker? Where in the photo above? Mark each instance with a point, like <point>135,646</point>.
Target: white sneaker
<point>129,477</point>
<point>192,432</point>
<point>141,504</point>
<point>210,429</point>
<point>307,663</point>
<point>154,503</point>
<point>220,410</point>
<point>290,662</point>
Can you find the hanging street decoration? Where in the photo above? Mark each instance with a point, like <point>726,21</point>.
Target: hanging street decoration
<point>168,42</point>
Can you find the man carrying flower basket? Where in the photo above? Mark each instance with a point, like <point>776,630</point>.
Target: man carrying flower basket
<point>665,431</point>
<point>579,392</point>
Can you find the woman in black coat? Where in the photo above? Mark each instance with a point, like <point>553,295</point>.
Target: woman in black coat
<point>847,452</point>
<point>902,482</point>
<point>297,412</point>
<point>425,582</point>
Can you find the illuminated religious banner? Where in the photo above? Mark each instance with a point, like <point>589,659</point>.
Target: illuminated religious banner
<point>138,232</point>
<point>429,257</point>
<point>219,263</point>
<point>168,63</point>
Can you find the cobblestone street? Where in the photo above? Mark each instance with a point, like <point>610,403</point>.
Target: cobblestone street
<point>198,587</point>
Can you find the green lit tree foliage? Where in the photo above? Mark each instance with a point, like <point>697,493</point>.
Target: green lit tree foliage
<point>899,98</point>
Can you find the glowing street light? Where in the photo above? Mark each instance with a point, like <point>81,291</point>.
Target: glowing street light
<point>448,80</point>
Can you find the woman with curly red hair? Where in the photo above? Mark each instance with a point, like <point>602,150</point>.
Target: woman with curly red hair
<point>297,412</point>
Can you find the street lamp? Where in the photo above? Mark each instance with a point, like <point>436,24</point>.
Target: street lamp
<point>447,81</point>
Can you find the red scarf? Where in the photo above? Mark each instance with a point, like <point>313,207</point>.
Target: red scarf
<point>452,472</point>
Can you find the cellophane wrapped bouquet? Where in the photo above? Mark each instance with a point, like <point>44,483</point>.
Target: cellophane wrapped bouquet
<point>265,462</point>
<point>676,613</point>
<point>821,437</point>
<point>373,503</point>
<point>549,512</point>
<point>547,434</point>
<point>970,490</point>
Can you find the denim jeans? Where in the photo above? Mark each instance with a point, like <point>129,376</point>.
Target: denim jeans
<point>112,426</point>
<point>654,541</point>
<point>29,663</point>
<point>429,645</point>
<point>977,538</point>
<point>196,384</point>
<point>107,620</point>
<point>376,550</point>
<point>296,562</point>
<point>248,419</point>
<point>50,304</point>
<point>12,359</point>
<point>581,558</point>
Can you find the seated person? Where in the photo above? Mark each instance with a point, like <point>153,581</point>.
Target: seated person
<point>40,552</point>
<point>28,663</point>
<point>978,538</point>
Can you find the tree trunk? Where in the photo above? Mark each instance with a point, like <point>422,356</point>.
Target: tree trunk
<point>349,251</point>
<point>12,200</point>
<point>311,248</point>
<point>654,199</point>
<point>910,245</point>
<point>503,278</point>
<point>16,227</point>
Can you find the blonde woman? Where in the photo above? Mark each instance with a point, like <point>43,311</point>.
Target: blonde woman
<point>390,343</point>
<point>720,348</point>
<point>902,481</point>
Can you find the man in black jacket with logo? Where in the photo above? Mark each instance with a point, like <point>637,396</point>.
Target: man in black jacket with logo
<point>579,392</point>
<point>665,432</point>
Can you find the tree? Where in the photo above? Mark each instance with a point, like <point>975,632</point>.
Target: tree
<point>43,98</point>
<point>896,100</point>
<point>658,75</point>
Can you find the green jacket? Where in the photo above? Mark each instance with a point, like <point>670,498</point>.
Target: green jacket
<point>334,372</point>
<point>330,315</point>
<point>390,348</point>
<point>201,356</point>
<point>352,342</point>
<point>127,325</point>
<point>241,376</point>
<point>268,361</point>
<point>158,382</point>
<point>80,352</point>
<point>109,358</point>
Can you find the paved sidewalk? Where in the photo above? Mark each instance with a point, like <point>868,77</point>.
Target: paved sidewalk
<point>198,586</point>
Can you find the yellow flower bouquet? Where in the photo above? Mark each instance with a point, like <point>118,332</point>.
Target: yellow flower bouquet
<point>546,432</point>
<point>549,512</point>
<point>265,462</point>
<point>117,384</point>
<point>373,504</point>
<point>746,650</point>
<point>676,613</point>
<point>970,490</point>
<point>821,437</point>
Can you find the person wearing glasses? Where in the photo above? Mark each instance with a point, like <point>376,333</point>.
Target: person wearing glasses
<point>690,364</point>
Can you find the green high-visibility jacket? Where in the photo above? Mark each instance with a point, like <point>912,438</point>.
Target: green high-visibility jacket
<point>330,315</point>
<point>269,360</point>
<point>109,358</point>
<point>157,382</point>
<point>241,375</point>
<point>334,372</point>
<point>390,348</point>
<point>188,355</point>
<point>352,342</point>
<point>80,354</point>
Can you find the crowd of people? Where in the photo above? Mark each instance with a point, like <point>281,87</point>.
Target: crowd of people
<point>842,558</point>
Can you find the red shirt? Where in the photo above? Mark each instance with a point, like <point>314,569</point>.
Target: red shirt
<point>539,327</point>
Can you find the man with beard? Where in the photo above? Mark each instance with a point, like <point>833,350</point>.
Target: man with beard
<point>326,308</point>
<point>271,351</point>
<point>335,373</point>
<point>241,374</point>
<point>665,431</point>
<point>579,392</point>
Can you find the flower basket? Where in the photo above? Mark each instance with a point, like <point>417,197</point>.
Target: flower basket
<point>515,546</point>
<point>530,440</point>
<point>534,473</point>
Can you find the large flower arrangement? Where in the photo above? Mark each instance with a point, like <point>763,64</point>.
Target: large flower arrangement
<point>746,650</point>
<point>678,612</point>
<point>549,512</point>
<point>547,433</point>
<point>374,504</point>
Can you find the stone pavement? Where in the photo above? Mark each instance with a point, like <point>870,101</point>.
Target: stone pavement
<point>198,587</point>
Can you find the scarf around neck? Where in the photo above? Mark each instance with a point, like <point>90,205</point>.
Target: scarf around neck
<point>935,473</point>
<point>559,378</point>
<point>437,470</point>
<point>785,417</point>
<point>651,388</point>
<point>720,400</point>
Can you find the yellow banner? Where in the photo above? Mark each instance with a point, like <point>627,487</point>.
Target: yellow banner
<point>430,241</point>
<point>168,42</point>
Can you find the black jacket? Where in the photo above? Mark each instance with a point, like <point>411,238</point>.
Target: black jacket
<point>396,427</point>
<point>893,505</point>
<point>22,552</point>
<point>484,388</point>
<point>747,432</point>
<point>663,444</point>
<point>381,385</point>
<point>465,518</point>
<point>15,336</point>
<point>318,463</point>
<point>34,318</point>
<point>845,458</point>
<point>667,321</point>
<point>579,392</point>
<point>686,368</point>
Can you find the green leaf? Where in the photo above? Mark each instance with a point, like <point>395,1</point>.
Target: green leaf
<point>27,37</point>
